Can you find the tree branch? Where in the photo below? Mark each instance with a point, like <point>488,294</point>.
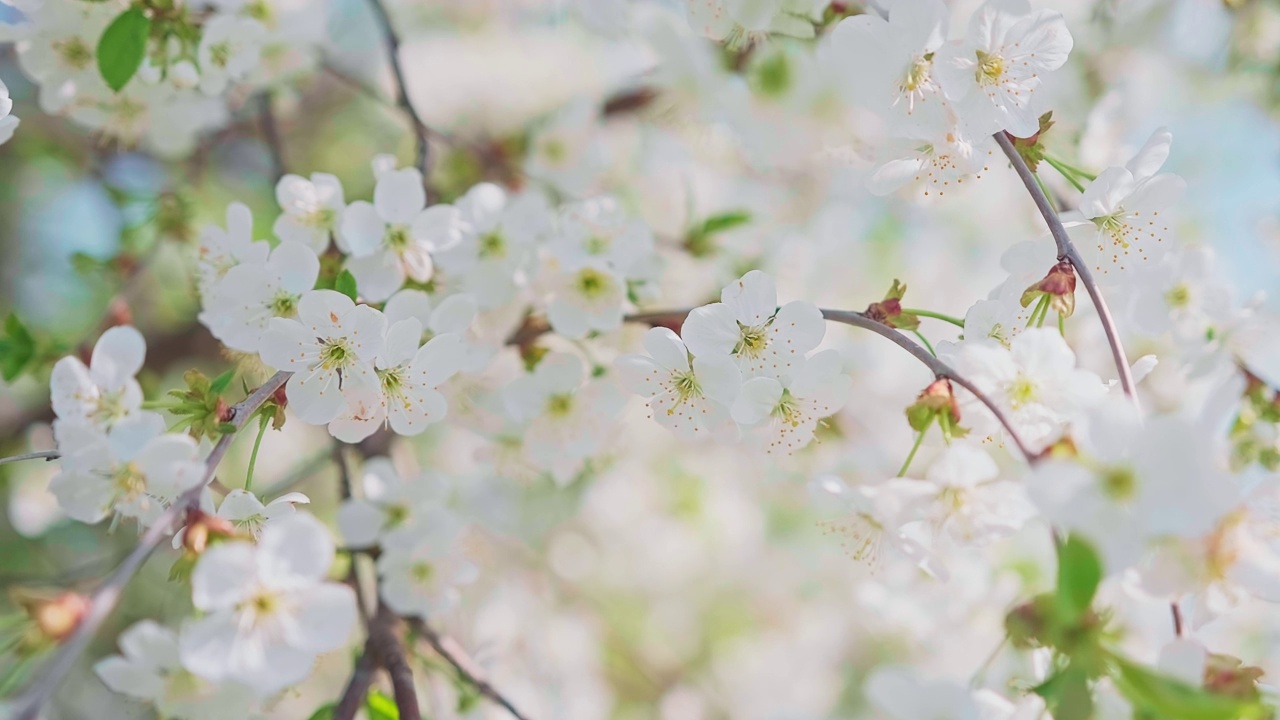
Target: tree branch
<point>1067,251</point>
<point>402,97</point>
<point>47,455</point>
<point>466,667</point>
<point>385,642</point>
<point>358,686</point>
<point>271,135</point>
<point>672,318</point>
<point>104,599</point>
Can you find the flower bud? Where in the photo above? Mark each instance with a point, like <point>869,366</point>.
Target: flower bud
<point>936,402</point>
<point>1059,285</point>
<point>203,528</point>
<point>1227,675</point>
<point>889,310</point>
<point>53,619</point>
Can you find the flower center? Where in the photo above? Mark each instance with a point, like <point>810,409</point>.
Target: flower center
<point>397,237</point>
<point>75,53</point>
<point>559,405</point>
<point>990,68</point>
<point>320,218</point>
<point>1115,226</point>
<point>493,245</point>
<point>1179,296</point>
<point>555,151</point>
<point>220,53</point>
<point>597,245</point>
<point>788,409</point>
<point>129,481</point>
<point>396,515</point>
<point>752,340</point>
<point>592,284</point>
<point>284,304</point>
<point>1021,392</point>
<point>422,572</point>
<point>335,354</point>
<point>1119,483</point>
<point>392,382</point>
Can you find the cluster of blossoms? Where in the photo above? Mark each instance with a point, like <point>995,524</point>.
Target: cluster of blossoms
<point>505,310</point>
<point>741,362</point>
<point>197,62</point>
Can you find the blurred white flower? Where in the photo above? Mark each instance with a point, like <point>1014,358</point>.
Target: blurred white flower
<point>238,308</point>
<point>148,668</point>
<point>268,611</point>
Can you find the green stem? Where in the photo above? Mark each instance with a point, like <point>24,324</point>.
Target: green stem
<point>924,341</point>
<point>253,457</point>
<point>1062,325</point>
<point>1038,312</point>
<point>914,448</point>
<point>935,315</point>
<point>1071,174</point>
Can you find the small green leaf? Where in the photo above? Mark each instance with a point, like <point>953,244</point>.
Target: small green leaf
<point>346,284</point>
<point>1079,572</point>
<point>1169,699</point>
<point>17,348</point>
<point>221,382</point>
<point>380,707</point>
<point>227,428</point>
<point>725,221</point>
<point>324,712</point>
<point>122,47</point>
<point>1066,694</point>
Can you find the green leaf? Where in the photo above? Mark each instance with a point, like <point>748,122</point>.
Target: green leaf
<point>1066,694</point>
<point>380,707</point>
<point>346,284</point>
<point>324,712</point>
<point>221,382</point>
<point>1169,699</point>
<point>724,221</point>
<point>17,348</point>
<point>122,47</point>
<point>1079,572</point>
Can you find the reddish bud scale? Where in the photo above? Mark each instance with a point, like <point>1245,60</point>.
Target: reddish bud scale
<point>56,618</point>
<point>202,528</point>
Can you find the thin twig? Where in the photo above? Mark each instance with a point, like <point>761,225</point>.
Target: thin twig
<point>385,642</point>
<point>47,455</point>
<point>402,96</point>
<point>358,686</point>
<point>353,571</point>
<point>104,599</point>
<point>466,667</point>
<point>271,135</point>
<point>1067,251</point>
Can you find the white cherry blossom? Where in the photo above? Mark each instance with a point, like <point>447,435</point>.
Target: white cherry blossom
<point>105,392</point>
<point>239,307</point>
<point>692,396</point>
<point>135,471</point>
<point>493,254</point>
<point>1034,380</point>
<point>393,237</point>
<point>8,123</point>
<point>230,47</point>
<point>589,298</point>
<point>764,340</point>
<point>1136,481</point>
<point>148,668</point>
<point>994,74</point>
<point>1130,211</point>
<point>789,411</point>
<point>268,610</point>
<point>312,209</point>
<point>221,249</point>
<point>394,512</point>
<point>424,579</point>
<point>408,379</point>
<point>330,349</point>
<point>889,62</point>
